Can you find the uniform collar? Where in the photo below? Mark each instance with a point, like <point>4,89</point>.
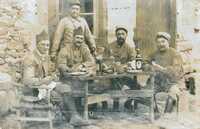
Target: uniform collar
<point>76,48</point>
<point>76,19</point>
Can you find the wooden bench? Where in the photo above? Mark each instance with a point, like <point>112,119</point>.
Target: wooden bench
<point>30,103</point>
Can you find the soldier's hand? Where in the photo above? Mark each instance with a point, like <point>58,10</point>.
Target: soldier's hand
<point>158,67</point>
<point>55,77</point>
<point>53,57</point>
<point>93,51</point>
<point>47,80</point>
<point>69,70</point>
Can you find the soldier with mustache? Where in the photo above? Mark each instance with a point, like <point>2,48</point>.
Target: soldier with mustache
<point>167,64</point>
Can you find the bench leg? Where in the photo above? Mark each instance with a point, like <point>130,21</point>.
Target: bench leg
<point>151,110</point>
<point>18,121</point>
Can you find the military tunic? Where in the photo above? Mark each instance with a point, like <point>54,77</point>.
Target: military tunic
<point>70,56</point>
<point>172,61</point>
<point>65,30</point>
<point>36,67</point>
<point>123,54</point>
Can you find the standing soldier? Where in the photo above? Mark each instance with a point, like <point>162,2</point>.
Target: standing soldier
<point>66,28</point>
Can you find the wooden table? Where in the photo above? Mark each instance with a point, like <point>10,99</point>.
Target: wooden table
<point>111,94</point>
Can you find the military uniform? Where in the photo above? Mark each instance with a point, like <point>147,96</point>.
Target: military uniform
<point>168,81</point>
<point>172,61</point>
<point>122,54</point>
<point>71,56</point>
<point>36,68</point>
<point>65,30</point>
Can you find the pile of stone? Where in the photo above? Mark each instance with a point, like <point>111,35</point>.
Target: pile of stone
<point>15,40</point>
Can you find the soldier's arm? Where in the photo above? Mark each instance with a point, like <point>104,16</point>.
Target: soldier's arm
<point>177,67</point>
<point>89,38</point>
<point>62,61</point>
<point>107,51</point>
<point>131,53</point>
<point>88,58</point>
<point>57,37</point>
<point>29,78</point>
<point>89,62</point>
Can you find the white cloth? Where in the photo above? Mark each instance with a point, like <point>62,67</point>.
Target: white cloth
<point>43,92</point>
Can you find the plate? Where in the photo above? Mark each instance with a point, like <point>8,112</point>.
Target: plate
<point>134,71</point>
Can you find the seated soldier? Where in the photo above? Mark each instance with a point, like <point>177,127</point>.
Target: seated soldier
<point>167,64</point>
<point>121,53</point>
<point>36,67</point>
<point>75,57</point>
<point>36,73</point>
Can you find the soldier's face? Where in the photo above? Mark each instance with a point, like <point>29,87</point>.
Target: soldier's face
<point>75,11</point>
<point>162,44</point>
<point>43,46</point>
<point>79,39</point>
<point>121,36</point>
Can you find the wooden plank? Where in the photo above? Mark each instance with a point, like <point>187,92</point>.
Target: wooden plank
<point>131,93</point>
<point>106,76</point>
<point>36,119</point>
<point>34,107</point>
<point>173,28</point>
<point>101,22</point>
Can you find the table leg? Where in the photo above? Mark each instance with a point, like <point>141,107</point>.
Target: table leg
<point>49,110</point>
<point>86,100</point>
<point>152,99</point>
<point>152,109</point>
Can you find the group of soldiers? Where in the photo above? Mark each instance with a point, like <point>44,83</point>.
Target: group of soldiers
<point>73,50</point>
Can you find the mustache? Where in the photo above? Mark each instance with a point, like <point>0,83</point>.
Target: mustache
<point>79,42</point>
<point>120,39</point>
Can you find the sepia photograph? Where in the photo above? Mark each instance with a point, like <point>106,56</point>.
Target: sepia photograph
<point>99,64</point>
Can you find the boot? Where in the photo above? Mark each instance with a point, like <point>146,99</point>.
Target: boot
<point>169,105</point>
<point>128,105</point>
<point>116,105</point>
<point>76,120</point>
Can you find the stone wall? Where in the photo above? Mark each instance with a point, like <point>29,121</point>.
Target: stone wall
<point>19,22</point>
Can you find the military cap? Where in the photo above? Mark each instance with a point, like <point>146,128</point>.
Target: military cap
<point>78,31</point>
<point>163,35</point>
<point>75,2</point>
<point>121,27</point>
<point>42,36</point>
